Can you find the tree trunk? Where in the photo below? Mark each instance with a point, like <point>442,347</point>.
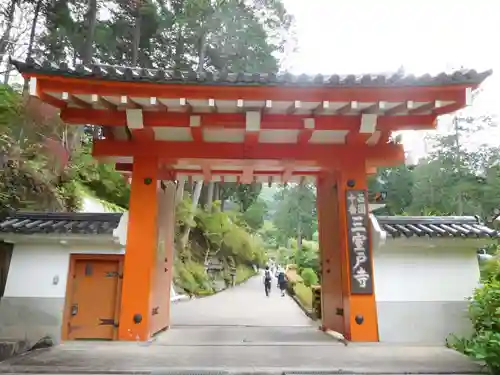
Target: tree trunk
<point>88,47</point>
<point>210,196</point>
<point>5,39</point>
<point>5,45</point>
<point>299,235</point>
<point>179,194</point>
<point>179,50</point>
<point>458,165</point>
<point>6,76</point>
<point>194,205</point>
<point>201,54</point>
<point>203,197</point>
<point>136,36</point>
<point>216,191</point>
<point>31,42</point>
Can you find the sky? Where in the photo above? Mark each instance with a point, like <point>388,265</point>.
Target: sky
<point>425,36</point>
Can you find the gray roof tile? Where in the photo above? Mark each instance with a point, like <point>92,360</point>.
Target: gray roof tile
<point>468,76</point>
<point>60,223</point>
<point>435,226</point>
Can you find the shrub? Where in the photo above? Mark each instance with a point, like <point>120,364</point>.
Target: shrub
<point>191,277</point>
<point>243,274</point>
<point>484,313</point>
<point>197,270</point>
<point>293,276</point>
<point>309,277</point>
<point>490,269</point>
<point>222,231</point>
<point>304,294</point>
<point>222,235</point>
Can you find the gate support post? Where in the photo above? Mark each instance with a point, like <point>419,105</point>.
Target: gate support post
<point>140,255</point>
<point>355,243</point>
<point>164,263</point>
<point>345,308</point>
<point>332,273</point>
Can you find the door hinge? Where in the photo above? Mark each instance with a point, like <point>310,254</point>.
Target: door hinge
<point>155,311</point>
<point>88,269</point>
<point>108,322</point>
<point>114,274</point>
<point>340,312</point>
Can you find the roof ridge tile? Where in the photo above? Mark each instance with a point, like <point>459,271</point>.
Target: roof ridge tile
<point>127,73</point>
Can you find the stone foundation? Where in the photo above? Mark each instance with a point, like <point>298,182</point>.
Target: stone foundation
<point>30,319</point>
<point>422,322</point>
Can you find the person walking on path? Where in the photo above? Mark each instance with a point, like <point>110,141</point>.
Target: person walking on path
<point>267,281</point>
<point>282,283</point>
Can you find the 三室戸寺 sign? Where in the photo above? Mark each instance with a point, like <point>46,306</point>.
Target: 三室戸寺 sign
<point>359,242</point>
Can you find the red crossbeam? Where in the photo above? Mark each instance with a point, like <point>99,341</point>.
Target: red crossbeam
<point>238,120</point>
<point>320,153</point>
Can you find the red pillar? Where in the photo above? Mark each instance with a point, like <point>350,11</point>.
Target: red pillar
<point>162,275</point>
<point>140,256</point>
<point>348,297</point>
<point>332,304</point>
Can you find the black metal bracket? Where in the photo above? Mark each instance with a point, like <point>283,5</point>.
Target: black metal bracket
<point>108,322</point>
<point>113,274</point>
<point>155,311</point>
<point>340,312</point>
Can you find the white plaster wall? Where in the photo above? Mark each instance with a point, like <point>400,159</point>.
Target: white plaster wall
<point>33,269</point>
<point>421,289</point>
<point>409,270</point>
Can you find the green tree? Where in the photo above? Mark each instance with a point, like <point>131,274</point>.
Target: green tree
<point>30,177</point>
<point>254,215</point>
<point>454,178</point>
<point>398,184</point>
<point>296,213</point>
<point>309,276</point>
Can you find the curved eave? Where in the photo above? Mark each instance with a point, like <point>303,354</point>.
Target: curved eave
<point>469,78</point>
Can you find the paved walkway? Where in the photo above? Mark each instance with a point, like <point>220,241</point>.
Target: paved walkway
<point>241,315</point>
<point>244,305</point>
<point>240,331</point>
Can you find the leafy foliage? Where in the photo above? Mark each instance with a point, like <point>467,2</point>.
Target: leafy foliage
<point>296,213</point>
<point>100,178</point>
<point>451,180</point>
<point>304,294</point>
<point>191,277</point>
<point>484,344</point>
<point>254,215</point>
<point>309,276</point>
<point>229,239</point>
<point>30,177</point>
<point>221,234</point>
<point>307,256</point>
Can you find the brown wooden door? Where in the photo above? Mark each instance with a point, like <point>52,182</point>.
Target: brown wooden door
<point>94,299</point>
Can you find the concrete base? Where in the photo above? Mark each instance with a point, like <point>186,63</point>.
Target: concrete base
<point>30,319</point>
<point>10,349</point>
<point>275,358</point>
<point>179,298</point>
<point>422,322</point>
